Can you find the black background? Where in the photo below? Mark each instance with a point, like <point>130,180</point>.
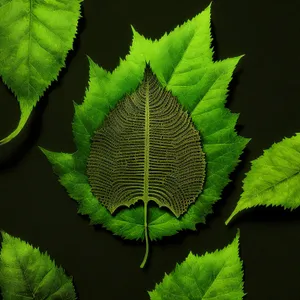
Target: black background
<point>265,91</point>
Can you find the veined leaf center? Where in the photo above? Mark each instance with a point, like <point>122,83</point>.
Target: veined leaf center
<point>147,149</point>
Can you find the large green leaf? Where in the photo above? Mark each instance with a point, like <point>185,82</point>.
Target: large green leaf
<point>217,275</point>
<point>25,273</point>
<point>35,37</point>
<point>182,61</point>
<point>147,149</point>
<point>274,178</point>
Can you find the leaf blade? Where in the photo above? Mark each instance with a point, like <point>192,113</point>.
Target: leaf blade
<point>216,275</point>
<point>34,42</point>
<point>27,273</point>
<point>273,178</point>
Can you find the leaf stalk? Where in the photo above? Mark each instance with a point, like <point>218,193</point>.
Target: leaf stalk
<point>146,235</point>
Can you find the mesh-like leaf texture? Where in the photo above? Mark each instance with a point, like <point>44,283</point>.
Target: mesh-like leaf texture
<point>147,149</point>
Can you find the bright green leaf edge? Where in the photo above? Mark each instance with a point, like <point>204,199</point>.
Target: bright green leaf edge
<point>216,275</point>
<point>28,70</point>
<point>273,179</point>
<point>204,100</point>
<point>26,273</point>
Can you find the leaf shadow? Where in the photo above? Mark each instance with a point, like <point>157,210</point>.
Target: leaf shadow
<point>14,151</point>
<point>230,188</point>
<point>214,43</point>
<point>266,214</point>
<point>235,81</point>
<point>244,157</point>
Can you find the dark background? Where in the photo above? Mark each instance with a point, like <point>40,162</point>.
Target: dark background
<point>265,91</point>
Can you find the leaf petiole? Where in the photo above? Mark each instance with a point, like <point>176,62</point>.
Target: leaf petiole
<point>146,236</point>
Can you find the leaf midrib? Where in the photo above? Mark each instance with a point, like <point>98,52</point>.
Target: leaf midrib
<point>29,45</point>
<point>212,283</point>
<point>273,185</point>
<point>29,287</point>
<point>147,146</point>
<point>180,58</point>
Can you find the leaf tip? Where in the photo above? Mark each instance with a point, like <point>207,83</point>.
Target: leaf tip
<point>91,62</point>
<point>133,30</point>
<point>209,5</point>
<point>5,236</point>
<point>135,33</point>
<point>89,58</point>
<point>241,56</point>
<point>45,151</point>
<point>75,104</point>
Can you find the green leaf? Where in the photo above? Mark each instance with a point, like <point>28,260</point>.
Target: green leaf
<point>182,61</point>
<point>28,274</point>
<point>35,37</point>
<point>216,275</point>
<point>273,178</point>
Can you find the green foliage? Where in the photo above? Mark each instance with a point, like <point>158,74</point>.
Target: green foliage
<point>216,275</point>
<point>25,273</point>
<point>273,178</point>
<point>182,61</point>
<point>35,37</point>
